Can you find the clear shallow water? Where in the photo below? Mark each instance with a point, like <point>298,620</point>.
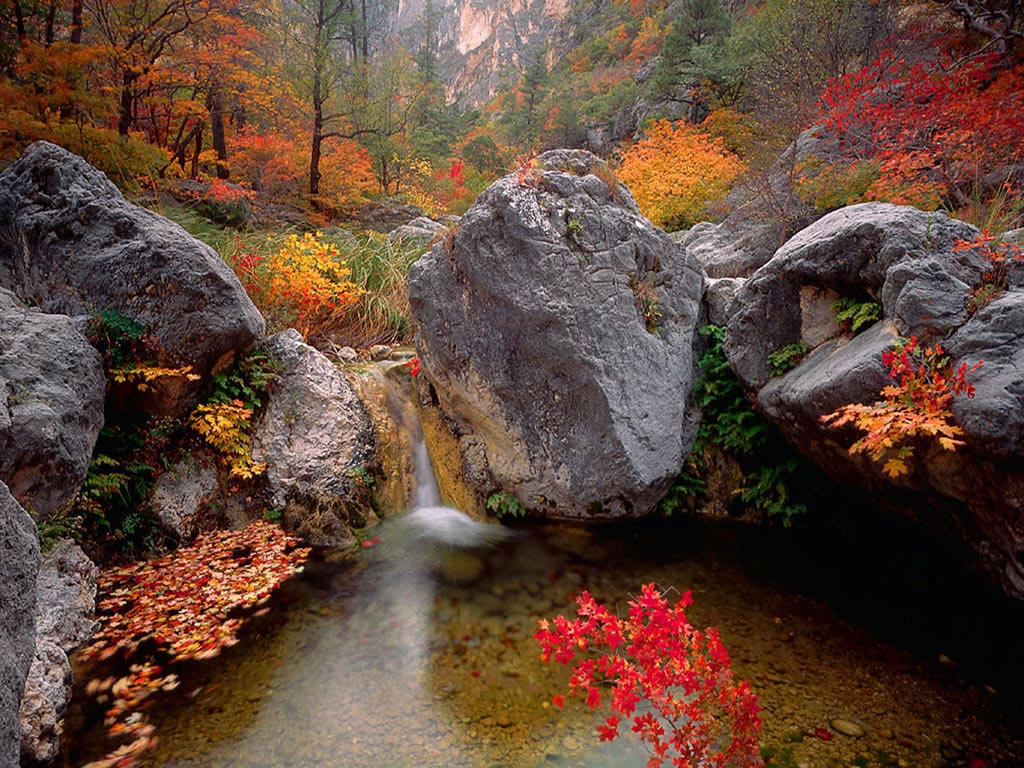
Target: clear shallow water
<point>419,655</point>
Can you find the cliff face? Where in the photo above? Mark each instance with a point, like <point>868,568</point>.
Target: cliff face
<point>481,40</point>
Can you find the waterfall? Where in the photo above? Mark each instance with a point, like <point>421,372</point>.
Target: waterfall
<point>428,519</point>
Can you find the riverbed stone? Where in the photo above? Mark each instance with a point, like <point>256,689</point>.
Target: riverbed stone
<point>71,244</point>
<point>847,727</point>
<point>51,405</point>
<point>181,492</point>
<point>19,566</point>
<point>317,441</point>
<point>532,337</point>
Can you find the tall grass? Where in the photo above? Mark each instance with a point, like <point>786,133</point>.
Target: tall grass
<point>378,266</point>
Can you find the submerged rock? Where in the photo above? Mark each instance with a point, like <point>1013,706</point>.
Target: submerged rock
<point>906,261</point>
<point>66,602</point>
<point>318,444</point>
<point>19,566</point>
<point>71,244</point>
<point>51,405</point>
<point>557,326</point>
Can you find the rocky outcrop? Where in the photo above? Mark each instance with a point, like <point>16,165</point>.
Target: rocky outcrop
<point>51,405</point>
<point>421,231</point>
<point>179,495</point>
<point>555,330</point>
<point>762,212</point>
<point>906,261</point>
<point>19,565</point>
<point>71,244</point>
<point>317,441</point>
<point>66,602</point>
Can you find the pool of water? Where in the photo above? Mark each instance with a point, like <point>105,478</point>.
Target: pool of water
<point>417,654</point>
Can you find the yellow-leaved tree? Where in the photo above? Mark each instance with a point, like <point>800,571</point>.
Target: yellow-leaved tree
<point>676,172</point>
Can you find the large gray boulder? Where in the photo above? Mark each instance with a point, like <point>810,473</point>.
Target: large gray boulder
<point>556,331</point>
<point>317,441</point>
<point>71,244</point>
<point>51,405</point>
<point>898,256</point>
<point>907,261</point>
<point>19,565</point>
<point>66,602</point>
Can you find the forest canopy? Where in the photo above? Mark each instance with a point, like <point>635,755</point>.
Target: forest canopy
<point>326,104</point>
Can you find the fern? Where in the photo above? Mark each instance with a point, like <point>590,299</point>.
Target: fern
<point>504,504</point>
<point>854,315</point>
<point>787,358</point>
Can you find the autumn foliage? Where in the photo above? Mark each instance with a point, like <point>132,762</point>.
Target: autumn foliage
<point>304,284</point>
<point>918,404</point>
<point>674,681</point>
<point>676,172</point>
<point>933,127</point>
<point>187,605</point>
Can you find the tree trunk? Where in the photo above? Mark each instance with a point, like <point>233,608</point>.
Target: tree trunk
<point>194,173</point>
<point>19,21</point>
<point>51,15</point>
<point>366,34</point>
<point>317,139</point>
<point>76,21</point>
<point>217,128</point>
<point>124,121</point>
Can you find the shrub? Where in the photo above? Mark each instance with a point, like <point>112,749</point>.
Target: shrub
<point>676,172</point>
<point>303,284</point>
<point>696,710</point>
<point>918,405</point>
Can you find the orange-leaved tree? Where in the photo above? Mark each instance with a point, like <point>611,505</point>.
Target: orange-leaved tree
<point>676,172</point>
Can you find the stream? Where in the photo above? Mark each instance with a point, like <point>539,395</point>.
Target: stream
<point>418,652</point>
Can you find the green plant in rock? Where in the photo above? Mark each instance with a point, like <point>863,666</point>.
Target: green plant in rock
<point>505,504</point>
<point>769,491</point>
<point>361,476</point>
<point>226,420</point>
<point>787,358</point>
<point>730,422</point>
<point>111,512</point>
<point>647,302</point>
<point>575,227</point>
<point>246,381</point>
<point>854,315</point>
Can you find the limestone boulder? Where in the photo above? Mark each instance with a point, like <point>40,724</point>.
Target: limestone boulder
<point>19,566</point>
<point>66,604</point>
<point>317,441</point>
<point>908,262</point>
<point>71,244</point>
<point>556,327</point>
<point>51,405</point>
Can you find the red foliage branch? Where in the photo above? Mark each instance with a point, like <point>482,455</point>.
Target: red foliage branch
<point>693,707</point>
<point>933,129</point>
